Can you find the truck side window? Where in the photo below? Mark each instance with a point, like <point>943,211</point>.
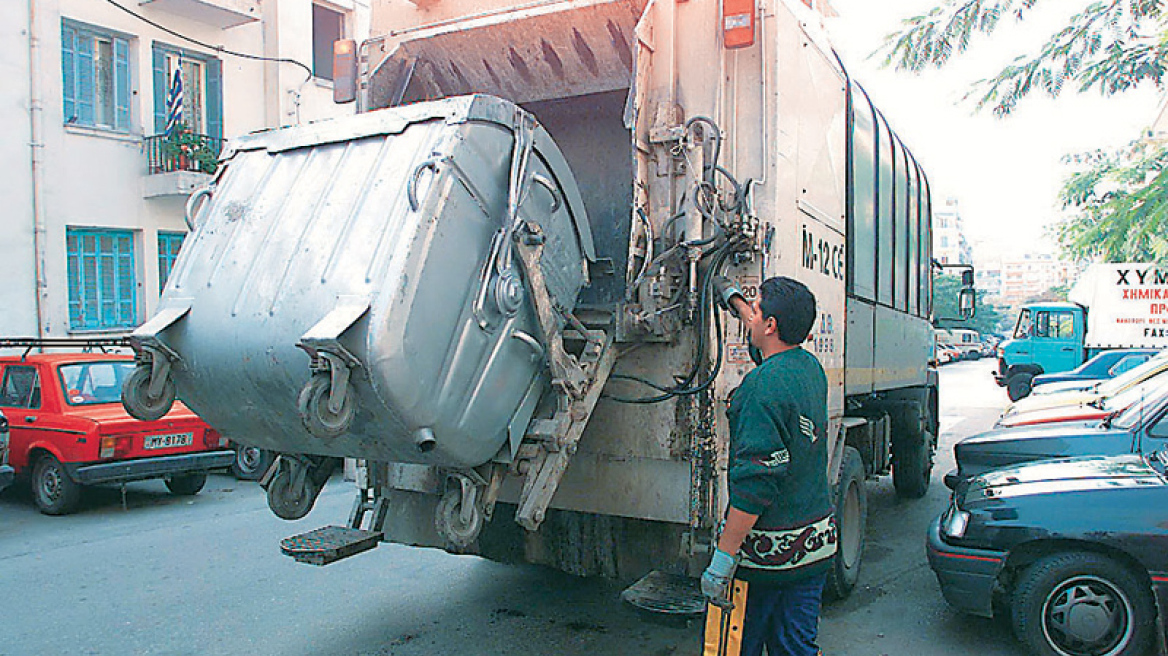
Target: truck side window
<point>21,388</point>
<point>1042,326</point>
<point>1022,331</point>
<point>1062,325</point>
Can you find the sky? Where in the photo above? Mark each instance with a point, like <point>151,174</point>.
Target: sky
<point>1004,172</point>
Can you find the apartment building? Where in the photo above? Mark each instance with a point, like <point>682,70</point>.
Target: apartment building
<point>95,182</point>
<point>950,245</point>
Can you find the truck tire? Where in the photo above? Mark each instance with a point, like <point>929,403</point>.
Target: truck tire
<point>52,489</point>
<point>1018,385</point>
<point>1083,603</point>
<point>912,453</point>
<point>850,498</point>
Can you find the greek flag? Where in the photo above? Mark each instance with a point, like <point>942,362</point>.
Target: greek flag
<point>174,103</point>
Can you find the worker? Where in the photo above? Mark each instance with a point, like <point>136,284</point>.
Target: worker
<point>779,535</point>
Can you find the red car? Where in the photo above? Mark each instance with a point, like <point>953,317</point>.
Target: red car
<point>68,427</point>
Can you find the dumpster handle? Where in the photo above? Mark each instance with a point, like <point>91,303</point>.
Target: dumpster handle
<point>544,182</point>
<point>193,205</point>
<point>412,187</point>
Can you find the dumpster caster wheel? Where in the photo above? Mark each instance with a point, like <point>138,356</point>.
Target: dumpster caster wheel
<point>136,397</point>
<point>315,413</point>
<point>291,493</point>
<point>460,529</point>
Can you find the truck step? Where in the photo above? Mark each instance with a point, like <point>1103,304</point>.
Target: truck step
<point>667,594</point>
<point>329,544</point>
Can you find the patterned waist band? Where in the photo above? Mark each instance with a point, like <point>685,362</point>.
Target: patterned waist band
<point>787,549</point>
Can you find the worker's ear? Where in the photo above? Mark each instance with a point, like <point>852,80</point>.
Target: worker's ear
<point>772,326</point>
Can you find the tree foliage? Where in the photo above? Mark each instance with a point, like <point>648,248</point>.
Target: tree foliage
<point>1112,45</point>
<point>1119,200</point>
<point>987,318</point>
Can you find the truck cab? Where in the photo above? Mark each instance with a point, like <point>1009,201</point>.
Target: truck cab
<point>1048,338</point>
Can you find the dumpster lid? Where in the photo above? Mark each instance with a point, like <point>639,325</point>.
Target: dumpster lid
<point>456,110</point>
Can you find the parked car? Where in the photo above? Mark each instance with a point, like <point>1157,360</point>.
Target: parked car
<point>251,462</point>
<point>68,427</point>
<point>1088,411</point>
<point>1073,552</point>
<point>947,353</point>
<point>1102,389</point>
<point>1142,427</point>
<point>7,473</point>
<point>1107,364</point>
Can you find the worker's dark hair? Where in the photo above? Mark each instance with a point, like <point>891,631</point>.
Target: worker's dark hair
<point>791,304</point>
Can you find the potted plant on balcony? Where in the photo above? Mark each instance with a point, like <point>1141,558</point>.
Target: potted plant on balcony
<point>190,151</point>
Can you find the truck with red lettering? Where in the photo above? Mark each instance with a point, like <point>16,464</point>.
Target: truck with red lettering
<point>1113,305</point>
<point>493,285</point>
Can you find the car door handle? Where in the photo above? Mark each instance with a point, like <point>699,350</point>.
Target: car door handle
<point>29,419</point>
<point>1069,348</point>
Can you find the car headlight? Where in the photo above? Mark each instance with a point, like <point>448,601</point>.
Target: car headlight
<point>955,523</point>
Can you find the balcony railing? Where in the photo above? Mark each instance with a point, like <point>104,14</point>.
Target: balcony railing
<point>185,151</point>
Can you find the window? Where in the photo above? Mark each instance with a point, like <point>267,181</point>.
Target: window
<point>202,89</point>
<point>95,77</point>
<point>21,388</point>
<point>169,244</point>
<point>327,26</point>
<point>1022,330</point>
<point>101,279</point>
<point>862,231</point>
<point>94,382</point>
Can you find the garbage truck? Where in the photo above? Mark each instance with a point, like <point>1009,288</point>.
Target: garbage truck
<point>1112,305</point>
<point>492,285</point>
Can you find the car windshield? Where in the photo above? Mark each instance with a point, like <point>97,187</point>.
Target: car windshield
<point>88,383</point>
<point>1138,402</point>
<point>1131,376</point>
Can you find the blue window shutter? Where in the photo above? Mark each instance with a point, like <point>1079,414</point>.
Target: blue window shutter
<point>159,90</point>
<point>69,72</point>
<point>215,98</point>
<point>121,84</point>
<point>73,255</point>
<point>102,285</point>
<point>86,91</point>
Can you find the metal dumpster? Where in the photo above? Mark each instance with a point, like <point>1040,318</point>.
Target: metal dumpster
<point>350,287</point>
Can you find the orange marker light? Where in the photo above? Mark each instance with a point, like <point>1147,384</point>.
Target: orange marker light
<point>737,23</point>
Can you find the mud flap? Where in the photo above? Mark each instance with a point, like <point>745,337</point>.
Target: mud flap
<point>723,635</point>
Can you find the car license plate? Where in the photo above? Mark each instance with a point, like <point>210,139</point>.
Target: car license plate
<point>169,441</point>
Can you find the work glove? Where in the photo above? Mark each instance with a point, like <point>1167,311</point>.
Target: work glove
<point>718,578</point>
<point>726,290</point>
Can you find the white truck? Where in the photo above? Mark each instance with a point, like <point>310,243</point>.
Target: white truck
<point>492,285</point>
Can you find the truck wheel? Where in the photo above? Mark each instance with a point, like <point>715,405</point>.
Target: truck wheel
<point>251,462</point>
<point>1018,385</point>
<point>912,455</point>
<point>851,516</point>
<point>314,410</point>
<point>136,398</point>
<point>52,489</point>
<point>186,485</point>
<point>1082,603</point>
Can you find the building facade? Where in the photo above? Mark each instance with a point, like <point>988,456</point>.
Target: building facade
<point>100,159</point>
<point>950,245</point>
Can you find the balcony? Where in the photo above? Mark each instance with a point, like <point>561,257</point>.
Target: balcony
<point>178,165</point>
<point>218,13</point>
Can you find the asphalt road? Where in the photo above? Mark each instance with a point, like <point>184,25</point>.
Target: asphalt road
<point>155,574</point>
